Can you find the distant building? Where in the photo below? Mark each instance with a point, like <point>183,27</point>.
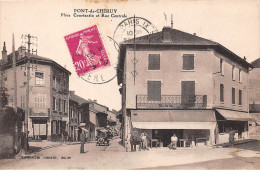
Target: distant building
<point>254,90</point>
<point>78,115</point>
<point>48,93</point>
<point>185,84</point>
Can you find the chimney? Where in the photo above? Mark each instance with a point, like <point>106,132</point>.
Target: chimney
<point>95,101</point>
<point>4,54</point>
<point>21,52</point>
<point>166,34</point>
<point>73,92</point>
<point>245,58</point>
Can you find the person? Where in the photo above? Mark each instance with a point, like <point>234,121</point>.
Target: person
<point>231,137</point>
<point>173,143</point>
<point>133,141</point>
<point>82,141</point>
<point>144,138</point>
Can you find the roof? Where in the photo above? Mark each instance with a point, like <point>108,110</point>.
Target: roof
<point>39,59</point>
<point>256,63</point>
<point>77,98</point>
<point>177,39</point>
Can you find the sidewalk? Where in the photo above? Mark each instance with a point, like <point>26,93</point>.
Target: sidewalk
<point>238,142</point>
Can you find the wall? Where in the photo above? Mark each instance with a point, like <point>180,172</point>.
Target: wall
<point>170,73</point>
<point>206,63</point>
<point>254,86</point>
<point>226,79</point>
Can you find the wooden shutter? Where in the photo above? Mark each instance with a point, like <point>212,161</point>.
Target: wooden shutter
<point>240,97</point>
<point>154,90</point>
<point>221,92</point>
<point>188,93</point>
<point>154,62</point>
<point>188,62</point>
<point>233,95</point>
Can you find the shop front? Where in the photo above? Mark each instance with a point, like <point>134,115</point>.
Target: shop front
<point>196,127</point>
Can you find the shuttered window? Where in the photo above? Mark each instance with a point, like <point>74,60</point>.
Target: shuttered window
<point>39,78</point>
<point>240,97</point>
<point>233,95</point>
<point>221,93</point>
<point>154,62</point>
<point>188,62</point>
<point>154,90</point>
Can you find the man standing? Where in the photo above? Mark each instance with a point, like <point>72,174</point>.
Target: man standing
<point>82,141</point>
<point>174,141</point>
<point>231,137</point>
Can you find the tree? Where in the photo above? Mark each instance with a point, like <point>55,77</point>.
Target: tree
<point>3,94</point>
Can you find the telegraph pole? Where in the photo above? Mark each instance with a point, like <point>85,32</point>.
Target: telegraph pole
<point>28,67</point>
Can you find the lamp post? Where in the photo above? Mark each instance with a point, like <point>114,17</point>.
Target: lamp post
<point>28,67</point>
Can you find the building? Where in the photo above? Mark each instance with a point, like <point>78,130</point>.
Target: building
<point>254,91</point>
<point>98,118</point>
<point>86,114</point>
<point>182,84</point>
<point>78,116</point>
<point>48,93</point>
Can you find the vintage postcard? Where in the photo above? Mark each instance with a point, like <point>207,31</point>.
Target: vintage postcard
<point>130,85</point>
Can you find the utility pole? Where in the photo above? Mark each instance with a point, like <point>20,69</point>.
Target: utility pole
<point>28,67</point>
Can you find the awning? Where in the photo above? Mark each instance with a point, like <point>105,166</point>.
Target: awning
<point>234,115</point>
<point>173,119</point>
<point>174,125</point>
<point>103,130</point>
<point>255,116</point>
<point>84,129</point>
<point>111,120</point>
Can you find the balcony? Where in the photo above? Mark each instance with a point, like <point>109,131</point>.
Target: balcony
<point>39,112</point>
<point>172,102</point>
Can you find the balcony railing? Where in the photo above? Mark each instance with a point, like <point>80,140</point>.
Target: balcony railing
<point>172,102</point>
<point>39,112</point>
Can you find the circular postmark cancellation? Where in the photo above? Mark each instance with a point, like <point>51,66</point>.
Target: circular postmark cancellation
<point>124,31</point>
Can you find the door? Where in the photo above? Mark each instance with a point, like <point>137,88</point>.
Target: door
<point>188,93</point>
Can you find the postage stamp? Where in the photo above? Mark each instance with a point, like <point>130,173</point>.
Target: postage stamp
<point>87,50</point>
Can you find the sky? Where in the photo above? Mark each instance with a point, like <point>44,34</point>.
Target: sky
<point>235,24</point>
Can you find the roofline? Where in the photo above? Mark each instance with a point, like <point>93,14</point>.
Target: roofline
<point>35,57</point>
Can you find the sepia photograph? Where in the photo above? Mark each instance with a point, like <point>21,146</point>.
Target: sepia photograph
<point>130,85</point>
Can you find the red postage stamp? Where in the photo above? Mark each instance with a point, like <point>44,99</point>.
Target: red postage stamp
<point>87,50</point>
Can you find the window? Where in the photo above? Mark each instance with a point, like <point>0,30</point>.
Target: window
<point>39,102</point>
<point>59,104</point>
<point>54,81</point>
<point>53,103</point>
<point>240,97</point>
<point>23,101</point>
<point>188,62</point>
<point>221,93</point>
<point>39,78</point>
<point>154,90</point>
<point>233,95</point>
<point>221,67</point>
<point>154,62</point>
<point>233,72</point>
<point>65,106</point>
<point>240,75</point>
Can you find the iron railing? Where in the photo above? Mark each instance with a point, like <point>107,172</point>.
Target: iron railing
<point>172,102</point>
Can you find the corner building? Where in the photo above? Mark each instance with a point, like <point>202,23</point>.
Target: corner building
<point>185,84</point>
<point>48,93</point>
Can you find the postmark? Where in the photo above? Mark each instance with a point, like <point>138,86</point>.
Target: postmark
<point>87,50</point>
<point>133,26</point>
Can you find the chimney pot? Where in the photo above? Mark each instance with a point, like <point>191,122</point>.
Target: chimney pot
<point>4,54</point>
<point>166,34</point>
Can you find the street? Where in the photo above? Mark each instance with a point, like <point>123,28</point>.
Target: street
<point>67,156</point>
